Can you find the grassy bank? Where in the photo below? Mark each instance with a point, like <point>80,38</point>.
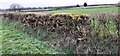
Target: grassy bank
<point>0,37</point>
<point>17,42</point>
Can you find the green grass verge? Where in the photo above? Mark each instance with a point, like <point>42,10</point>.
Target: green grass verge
<point>16,42</point>
<point>0,37</point>
<point>88,10</point>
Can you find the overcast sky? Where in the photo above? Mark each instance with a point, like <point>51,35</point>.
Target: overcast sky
<point>4,4</point>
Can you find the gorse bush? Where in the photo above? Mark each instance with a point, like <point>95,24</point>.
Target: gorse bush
<point>56,22</point>
<point>78,33</point>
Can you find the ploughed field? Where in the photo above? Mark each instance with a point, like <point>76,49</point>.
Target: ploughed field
<point>70,31</point>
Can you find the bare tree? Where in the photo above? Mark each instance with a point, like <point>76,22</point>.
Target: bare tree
<point>15,7</point>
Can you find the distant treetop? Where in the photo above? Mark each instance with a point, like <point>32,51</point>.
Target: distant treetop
<point>85,4</point>
<point>78,5</point>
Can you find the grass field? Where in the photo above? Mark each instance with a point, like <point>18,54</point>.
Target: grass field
<point>17,42</point>
<point>88,10</point>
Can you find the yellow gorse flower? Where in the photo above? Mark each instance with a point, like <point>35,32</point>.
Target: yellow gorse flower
<point>73,15</point>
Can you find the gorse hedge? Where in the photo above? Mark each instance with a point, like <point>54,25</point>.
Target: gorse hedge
<point>78,33</point>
